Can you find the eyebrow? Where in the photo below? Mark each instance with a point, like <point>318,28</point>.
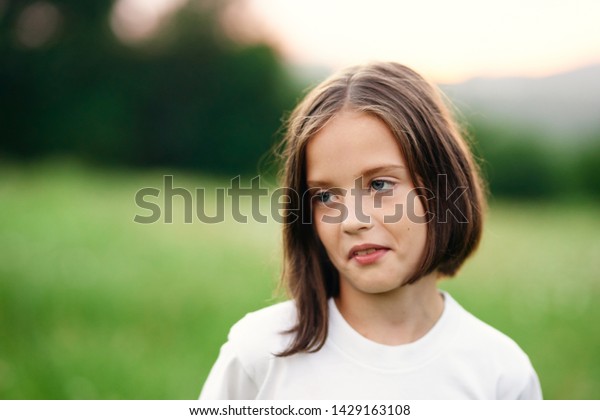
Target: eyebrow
<point>379,169</point>
<point>366,173</point>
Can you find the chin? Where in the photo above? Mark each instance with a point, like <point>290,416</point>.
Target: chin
<point>376,287</point>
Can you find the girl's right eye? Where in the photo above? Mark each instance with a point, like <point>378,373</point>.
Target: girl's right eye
<point>323,197</point>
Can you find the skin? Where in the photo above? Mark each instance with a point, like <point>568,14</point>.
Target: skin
<point>374,298</point>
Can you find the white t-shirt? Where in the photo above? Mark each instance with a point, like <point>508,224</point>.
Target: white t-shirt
<point>459,358</point>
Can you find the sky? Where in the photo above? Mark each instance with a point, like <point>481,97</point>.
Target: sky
<point>449,41</point>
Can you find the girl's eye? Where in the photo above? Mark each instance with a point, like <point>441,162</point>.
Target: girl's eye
<point>323,196</point>
<point>381,185</point>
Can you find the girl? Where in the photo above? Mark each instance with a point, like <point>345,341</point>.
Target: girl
<point>385,199</point>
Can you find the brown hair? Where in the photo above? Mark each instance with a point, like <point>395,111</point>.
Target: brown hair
<point>431,144</point>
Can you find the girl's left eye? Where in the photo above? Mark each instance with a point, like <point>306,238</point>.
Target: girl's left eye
<point>381,185</point>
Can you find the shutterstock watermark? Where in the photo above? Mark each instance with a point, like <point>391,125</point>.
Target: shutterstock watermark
<point>446,207</point>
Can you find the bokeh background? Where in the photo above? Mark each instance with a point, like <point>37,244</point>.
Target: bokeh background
<point>101,98</point>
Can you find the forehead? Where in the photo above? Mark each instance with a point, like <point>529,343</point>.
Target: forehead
<point>348,145</point>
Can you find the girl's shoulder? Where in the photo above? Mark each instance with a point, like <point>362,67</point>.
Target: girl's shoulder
<point>260,335</point>
<point>266,323</point>
<point>492,351</point>
<point>477,334</point>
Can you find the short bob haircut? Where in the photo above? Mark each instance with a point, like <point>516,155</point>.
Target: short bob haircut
<point>431,144</point>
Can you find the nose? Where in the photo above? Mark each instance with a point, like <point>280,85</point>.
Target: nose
<point>357,218</point>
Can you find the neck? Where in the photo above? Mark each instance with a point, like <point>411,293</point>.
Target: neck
<point>398,317</point>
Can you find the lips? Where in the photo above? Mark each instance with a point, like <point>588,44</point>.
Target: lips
<point>366,252</point>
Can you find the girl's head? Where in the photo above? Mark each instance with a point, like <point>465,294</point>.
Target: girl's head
<point>436,160</point>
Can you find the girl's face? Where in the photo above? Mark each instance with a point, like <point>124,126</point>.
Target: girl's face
<point>365,210</point>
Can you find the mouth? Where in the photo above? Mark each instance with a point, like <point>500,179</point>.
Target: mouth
<point>366,249</point>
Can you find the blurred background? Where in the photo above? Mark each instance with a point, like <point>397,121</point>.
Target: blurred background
<point>99,99</point>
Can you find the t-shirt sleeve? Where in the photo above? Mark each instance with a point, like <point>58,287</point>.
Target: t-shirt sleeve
<point>519,381</point>
<point>227,379</point>
<point>532,389</point>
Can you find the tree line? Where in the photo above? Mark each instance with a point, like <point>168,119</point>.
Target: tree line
<point>191,97</point>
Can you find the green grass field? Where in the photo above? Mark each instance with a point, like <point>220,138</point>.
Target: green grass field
<point>95,306</point>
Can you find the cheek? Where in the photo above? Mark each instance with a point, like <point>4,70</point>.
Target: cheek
<point>320,230</point>
<point>416,236</point>
<point>325,220</point>
<point>325,232</point>
<point>406,205</point>
<point>396,207</point>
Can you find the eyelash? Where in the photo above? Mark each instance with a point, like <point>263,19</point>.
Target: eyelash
<point>385,181</point>
<point>319,196</point>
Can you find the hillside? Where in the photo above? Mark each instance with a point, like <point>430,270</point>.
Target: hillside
<point>563,106</point>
